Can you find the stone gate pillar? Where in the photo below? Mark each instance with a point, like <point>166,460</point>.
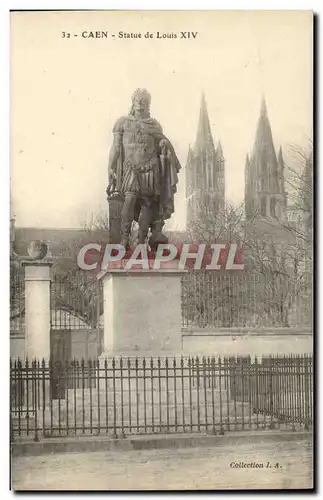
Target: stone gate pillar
<point>37,302</point>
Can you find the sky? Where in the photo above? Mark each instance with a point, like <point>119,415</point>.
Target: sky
<point>67,93</point>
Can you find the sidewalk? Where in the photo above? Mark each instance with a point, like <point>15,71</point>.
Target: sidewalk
<point>197,467</point>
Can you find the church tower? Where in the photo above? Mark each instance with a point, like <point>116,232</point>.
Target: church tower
<point>306,198</point>
<point>265,195</point>
<point>205,188</point>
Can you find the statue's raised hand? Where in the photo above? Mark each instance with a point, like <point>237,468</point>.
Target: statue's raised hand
<point>164,144</point>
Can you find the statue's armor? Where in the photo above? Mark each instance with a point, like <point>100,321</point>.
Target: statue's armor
<point>139,146</point>
<point>141,160</point>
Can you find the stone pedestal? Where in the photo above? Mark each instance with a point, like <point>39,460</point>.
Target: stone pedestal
<point>37,309</point>
<point>142,312</point>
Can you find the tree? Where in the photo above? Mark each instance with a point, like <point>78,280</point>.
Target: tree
<point>299,185</point>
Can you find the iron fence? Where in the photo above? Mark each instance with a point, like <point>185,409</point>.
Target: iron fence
<point>121,396</point>
<point>76,302</point>
<point>209,300</point>
<point>280,388</point>
<point>252,300</point>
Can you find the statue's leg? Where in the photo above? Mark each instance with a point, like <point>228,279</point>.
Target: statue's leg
<point>157,236</point>
<point>157,226</point>
<point>127,216</point>
<point>144,220</point>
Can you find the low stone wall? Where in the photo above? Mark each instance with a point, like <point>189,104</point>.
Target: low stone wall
<point>233,343</point>
<point>214,344</point>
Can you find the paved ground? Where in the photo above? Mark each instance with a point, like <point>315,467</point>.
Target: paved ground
<point>189,468</point>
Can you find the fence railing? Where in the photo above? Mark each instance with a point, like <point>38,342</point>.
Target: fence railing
<point>160,395</point>
<point>76,302</point>
<point>209,300</point>
<point>280,388</point>
<point>248,300</point>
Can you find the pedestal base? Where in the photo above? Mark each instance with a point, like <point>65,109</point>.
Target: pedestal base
<point>142,312</point>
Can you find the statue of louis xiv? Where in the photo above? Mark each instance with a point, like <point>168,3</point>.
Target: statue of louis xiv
<point>143,169</point>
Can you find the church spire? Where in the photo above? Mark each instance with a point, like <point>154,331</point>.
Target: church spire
<point>264,143</point>
<point>263,109</point>
<point>219,151</point>
<point>247,166</point>
<point>204,137</point>
<point>264,173</point>
<point>280,177</point>
<point>205,172</point>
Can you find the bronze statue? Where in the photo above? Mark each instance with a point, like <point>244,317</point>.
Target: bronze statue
<point>143,169</point>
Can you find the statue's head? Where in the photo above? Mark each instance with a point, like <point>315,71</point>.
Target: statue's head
<point>140,102</point>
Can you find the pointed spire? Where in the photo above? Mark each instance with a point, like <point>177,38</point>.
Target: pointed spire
<point>280,156</point>
<point>264,154</point>
<point>247,170</point>
<point>204,137</point>
<point>190,157</point>
<point>265,171</point>
<point>247,163</point>
<point>248,179</point>
<point>220,151</point>
<point>280,172</point>
<point>263,109</point>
